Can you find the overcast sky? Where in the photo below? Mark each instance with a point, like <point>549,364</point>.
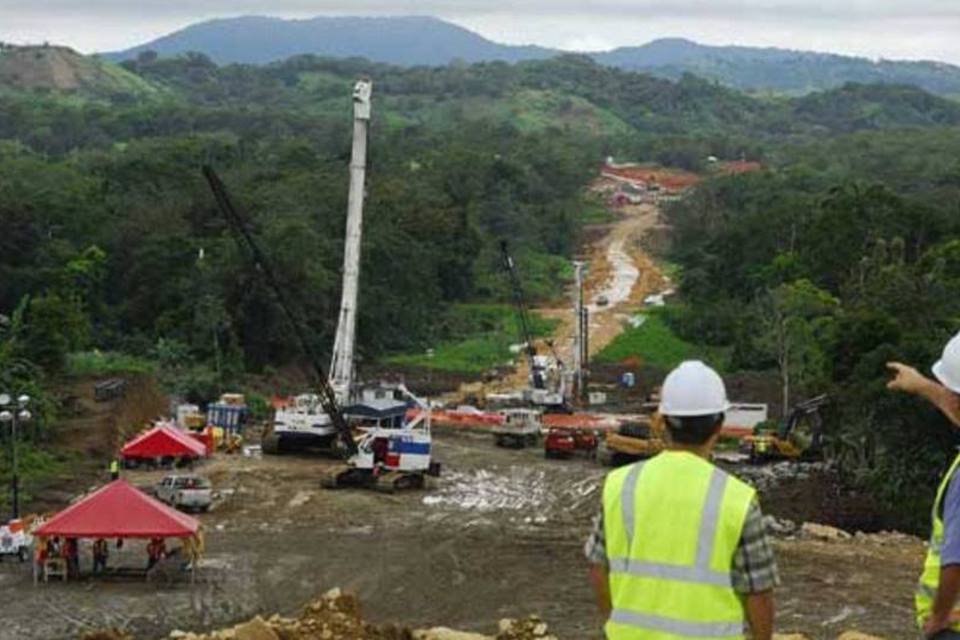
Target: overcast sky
<point>927,29</point>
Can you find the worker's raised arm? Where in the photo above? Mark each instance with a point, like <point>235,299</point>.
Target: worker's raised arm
<point>909,380</point>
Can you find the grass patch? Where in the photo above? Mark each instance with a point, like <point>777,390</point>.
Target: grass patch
<point>528,110</point>
<point>654,343</point>
<point>36,467</point>
<point>593,211</point>
<point>480,336</point>
<point>95,363</point>
<point>670,269</point>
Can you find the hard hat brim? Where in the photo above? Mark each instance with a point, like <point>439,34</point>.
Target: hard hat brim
<point>665,411</point>
<point>941,375</point>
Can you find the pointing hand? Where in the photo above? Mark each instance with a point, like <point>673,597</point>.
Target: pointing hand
<point>906,378</point>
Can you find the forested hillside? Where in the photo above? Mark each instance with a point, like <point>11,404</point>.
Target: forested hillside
<point>771,70</point>
<point>844,258</point>
<point>838,256</point>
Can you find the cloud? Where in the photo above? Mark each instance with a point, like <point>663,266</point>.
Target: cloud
<point>863,9</point>
<point>874,28</point>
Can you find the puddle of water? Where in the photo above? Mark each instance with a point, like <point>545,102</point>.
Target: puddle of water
<point>621,283</point>
<point>529,493</point>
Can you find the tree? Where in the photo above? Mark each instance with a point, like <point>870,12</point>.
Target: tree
<point>54,326</point>
<point>796,323</point>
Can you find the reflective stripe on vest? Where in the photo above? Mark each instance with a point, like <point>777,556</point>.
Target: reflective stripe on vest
<point>930,578</point>
<point>674,581</point>
<point>678,627</point>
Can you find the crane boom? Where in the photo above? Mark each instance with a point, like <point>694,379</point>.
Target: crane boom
<point>523,317</point>
<point>238,224</point>
<point>341,364</point>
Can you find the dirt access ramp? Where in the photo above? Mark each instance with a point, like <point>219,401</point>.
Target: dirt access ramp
<point>621,270</point>
<point>91,432</point>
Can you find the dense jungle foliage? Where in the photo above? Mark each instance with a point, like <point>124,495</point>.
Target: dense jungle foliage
<point>842,258</point>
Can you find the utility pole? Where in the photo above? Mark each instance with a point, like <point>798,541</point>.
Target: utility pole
<point>341,366</point>
<point>579,338</point>
<point>585,348</point>
<point>13,415</point>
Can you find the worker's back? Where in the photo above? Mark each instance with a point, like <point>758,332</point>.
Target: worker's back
<point>672,525</point>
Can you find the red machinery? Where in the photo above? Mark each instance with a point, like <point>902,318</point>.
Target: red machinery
<point>565,442</point>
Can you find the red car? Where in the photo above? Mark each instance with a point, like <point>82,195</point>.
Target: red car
<point>566,442</point>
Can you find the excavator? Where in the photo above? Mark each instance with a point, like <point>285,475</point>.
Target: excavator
<point>385,459</point>
<point>799,437</point>
<point>547,388</point>
<point>634,439</point>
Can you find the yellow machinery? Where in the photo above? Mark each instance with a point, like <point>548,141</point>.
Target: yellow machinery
<point>800,436</point>
<point>633,441</point>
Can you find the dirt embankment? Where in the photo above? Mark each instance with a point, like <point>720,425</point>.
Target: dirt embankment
<point>337,616</point>
<point>59,69</point>
<point>88,433</point>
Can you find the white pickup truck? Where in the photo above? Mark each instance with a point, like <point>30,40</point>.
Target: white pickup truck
<point>15,541</point>
<point>187,492</point>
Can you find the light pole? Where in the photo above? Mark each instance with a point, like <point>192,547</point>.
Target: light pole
<point>430,353</point>
<point>14,414</point>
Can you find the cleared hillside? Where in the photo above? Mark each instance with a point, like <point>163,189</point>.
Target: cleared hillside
<point>61,69</point>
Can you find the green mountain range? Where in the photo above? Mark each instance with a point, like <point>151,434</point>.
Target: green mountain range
<point>411,41</point>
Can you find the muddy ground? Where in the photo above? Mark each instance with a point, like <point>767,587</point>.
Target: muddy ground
<point>499,535</point>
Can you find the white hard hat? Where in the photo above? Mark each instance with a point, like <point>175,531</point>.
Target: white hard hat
<point>947,368</point>
<point>693,389</point>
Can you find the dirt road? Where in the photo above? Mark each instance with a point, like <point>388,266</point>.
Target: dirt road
<point>499,535</point>
<point>620,271</point>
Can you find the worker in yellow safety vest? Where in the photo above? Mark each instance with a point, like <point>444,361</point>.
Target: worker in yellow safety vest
<point>679,549</point>
<point>938,614</point>
<point>114,469</point>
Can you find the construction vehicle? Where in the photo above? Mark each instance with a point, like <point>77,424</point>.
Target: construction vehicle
<point>301,424</point>
<point>387,458</point>
<point>563,443</point>
<point>519,428</point>
<point>15,540</point>
<point>799,436</point>
<point>633,440</point>
<point>305,423</point>
<point>547,378</point>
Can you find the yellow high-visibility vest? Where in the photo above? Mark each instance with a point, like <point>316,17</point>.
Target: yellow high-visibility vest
<point>930,578</point>
<point>114,466</point>
<point>672,526</point>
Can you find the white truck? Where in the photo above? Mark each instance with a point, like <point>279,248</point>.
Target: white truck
<point>15,541</point>
<point>519,428</point>
<point>185,492</point>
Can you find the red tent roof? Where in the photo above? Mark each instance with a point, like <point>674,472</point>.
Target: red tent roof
<point>119,510</point>
<point>163,441</point>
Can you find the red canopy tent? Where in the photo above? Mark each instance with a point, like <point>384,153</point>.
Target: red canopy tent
<point>119,510</point>
<point>162,442</point>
